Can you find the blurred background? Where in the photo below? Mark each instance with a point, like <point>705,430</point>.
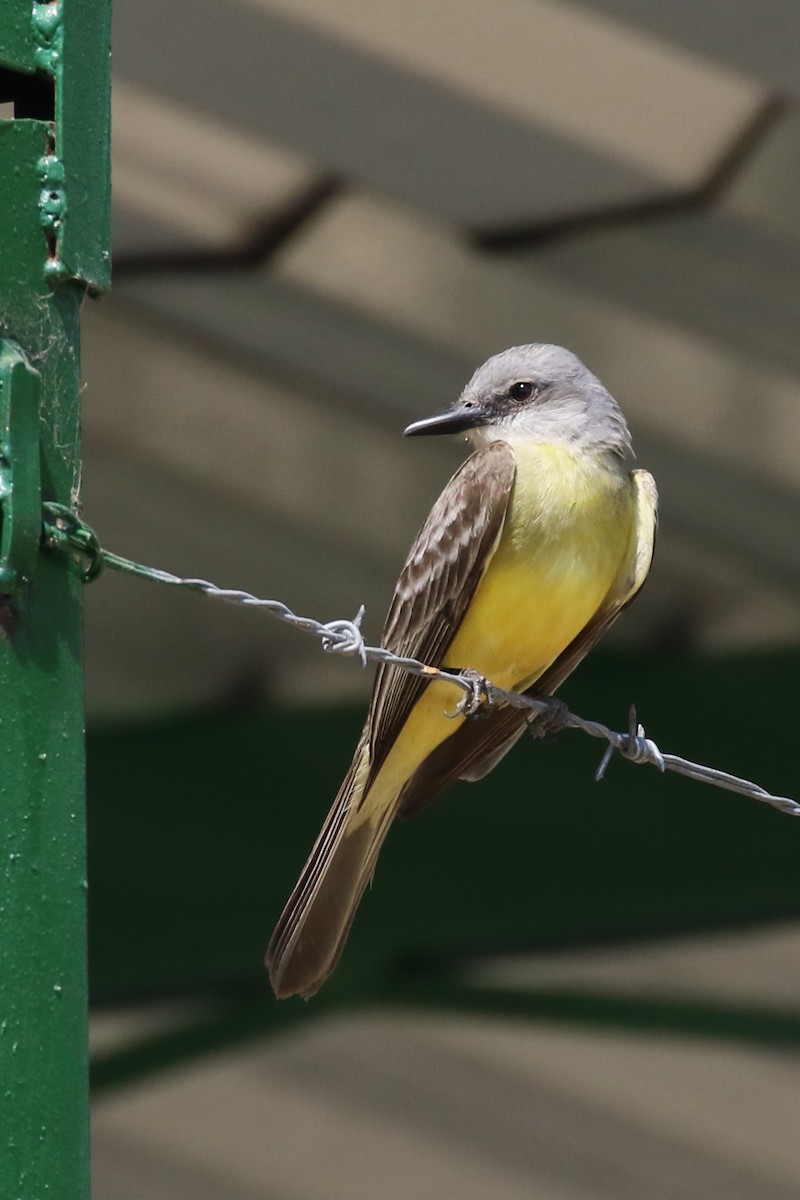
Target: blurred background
<point>327,213</point>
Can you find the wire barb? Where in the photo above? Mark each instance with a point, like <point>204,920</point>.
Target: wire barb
<point>64,530</point>
<point>345,637</point>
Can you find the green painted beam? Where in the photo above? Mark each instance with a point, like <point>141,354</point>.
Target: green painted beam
<point>53,246</point>
<point>200,823</point>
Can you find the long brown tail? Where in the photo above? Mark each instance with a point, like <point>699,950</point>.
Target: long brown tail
<point>313,927</point>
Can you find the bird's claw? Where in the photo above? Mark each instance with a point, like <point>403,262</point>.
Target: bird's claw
<point>477,698</point>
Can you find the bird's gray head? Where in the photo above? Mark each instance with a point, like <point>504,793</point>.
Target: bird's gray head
<point>535,393</point>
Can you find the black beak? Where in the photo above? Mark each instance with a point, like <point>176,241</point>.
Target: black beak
<point>457,420</point>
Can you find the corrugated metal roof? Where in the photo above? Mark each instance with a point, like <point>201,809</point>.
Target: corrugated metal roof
<point>327,215</point>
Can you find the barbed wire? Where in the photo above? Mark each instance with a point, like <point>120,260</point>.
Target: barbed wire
<point>64,530</point>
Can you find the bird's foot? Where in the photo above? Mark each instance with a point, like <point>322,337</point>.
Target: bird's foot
<point>478,697</point>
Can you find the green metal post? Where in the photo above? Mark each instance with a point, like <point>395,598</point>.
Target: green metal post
<point>54,209</point>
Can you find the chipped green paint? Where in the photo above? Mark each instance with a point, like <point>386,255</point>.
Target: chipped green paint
<point>60,40</point>
<point>52,212</point>
<point>54,247</point>
<point>48,29</point>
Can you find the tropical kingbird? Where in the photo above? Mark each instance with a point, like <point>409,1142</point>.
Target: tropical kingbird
<point>530,553</point>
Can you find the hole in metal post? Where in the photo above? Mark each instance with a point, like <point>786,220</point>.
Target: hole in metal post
<point>23,94</point>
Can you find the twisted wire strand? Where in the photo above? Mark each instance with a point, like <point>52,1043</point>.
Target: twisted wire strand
<point>64,530</point>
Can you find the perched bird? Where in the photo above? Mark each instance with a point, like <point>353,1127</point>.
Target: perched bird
<point>531,552</point>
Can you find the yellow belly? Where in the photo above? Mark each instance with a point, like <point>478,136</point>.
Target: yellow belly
<point>568,536</point>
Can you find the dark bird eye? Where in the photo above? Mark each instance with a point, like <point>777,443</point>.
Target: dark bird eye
<point>521,391</point>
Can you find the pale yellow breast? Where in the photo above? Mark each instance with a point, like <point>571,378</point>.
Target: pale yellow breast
<point>567,532</point>
<point>567,537</point>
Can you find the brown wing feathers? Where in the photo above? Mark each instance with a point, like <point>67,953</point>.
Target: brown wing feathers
<point>434,589</point>
<point>437,584</point>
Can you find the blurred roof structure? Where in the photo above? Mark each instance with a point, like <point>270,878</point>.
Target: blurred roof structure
<point>431,1104</point>
<point>326,215</point>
